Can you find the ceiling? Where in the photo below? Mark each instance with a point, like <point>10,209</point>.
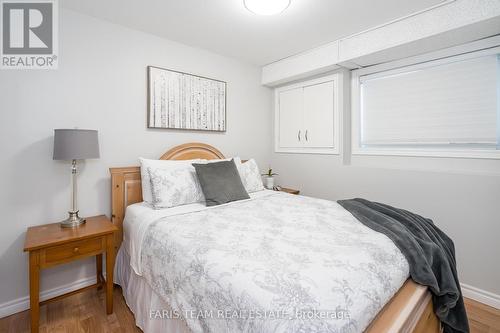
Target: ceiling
<point>227,28</point>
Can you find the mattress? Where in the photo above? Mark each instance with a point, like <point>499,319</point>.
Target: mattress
<point>273,263</point>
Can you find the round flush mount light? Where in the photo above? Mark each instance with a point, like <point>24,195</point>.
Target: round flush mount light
<point>266,7</point>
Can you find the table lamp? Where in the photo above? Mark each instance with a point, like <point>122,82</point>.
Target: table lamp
<point>73,145</point>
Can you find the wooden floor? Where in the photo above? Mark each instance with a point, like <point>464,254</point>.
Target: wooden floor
<point>482,318</point>
<point>85,312</point>
<point>82,312</point>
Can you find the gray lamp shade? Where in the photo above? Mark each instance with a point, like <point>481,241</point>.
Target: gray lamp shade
<point>75,144</point>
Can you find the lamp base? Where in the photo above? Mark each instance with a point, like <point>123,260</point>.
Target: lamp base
<point>72,221</point>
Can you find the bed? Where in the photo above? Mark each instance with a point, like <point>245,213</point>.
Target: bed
<point>161,251</point>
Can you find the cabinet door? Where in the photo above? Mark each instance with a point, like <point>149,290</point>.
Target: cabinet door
<point>291,132</point>
<point>319,115</point>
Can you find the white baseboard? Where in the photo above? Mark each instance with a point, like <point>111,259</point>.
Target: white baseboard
<point>480,295</point>
<point>23,303</point>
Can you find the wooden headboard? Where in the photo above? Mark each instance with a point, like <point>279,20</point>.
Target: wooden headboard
<point>126,188</point>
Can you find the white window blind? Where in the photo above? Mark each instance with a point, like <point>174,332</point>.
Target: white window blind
<point>451,102</point>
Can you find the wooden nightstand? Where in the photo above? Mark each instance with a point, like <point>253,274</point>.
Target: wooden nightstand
<point>51,245</point>
<point>289,190</point>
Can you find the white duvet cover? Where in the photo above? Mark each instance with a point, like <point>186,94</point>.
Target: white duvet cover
<point>273,263</point>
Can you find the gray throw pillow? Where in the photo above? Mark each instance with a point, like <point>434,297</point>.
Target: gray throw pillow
<point>220,182</point>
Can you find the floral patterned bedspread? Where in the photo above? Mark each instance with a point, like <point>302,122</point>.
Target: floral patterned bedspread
<point>279,263</point>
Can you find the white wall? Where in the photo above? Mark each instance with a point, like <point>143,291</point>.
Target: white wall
<point>101,84</point>
<point>462,196</point>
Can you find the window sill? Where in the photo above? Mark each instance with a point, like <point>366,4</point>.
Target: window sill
<point>476,154</point>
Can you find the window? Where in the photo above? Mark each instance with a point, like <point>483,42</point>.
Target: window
<point>445,107</point>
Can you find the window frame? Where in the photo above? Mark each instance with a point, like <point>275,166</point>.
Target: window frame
<point>405,65</point>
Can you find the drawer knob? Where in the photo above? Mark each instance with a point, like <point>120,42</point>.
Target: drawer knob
<point>75,250</point>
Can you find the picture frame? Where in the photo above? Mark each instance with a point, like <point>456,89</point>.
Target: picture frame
<point>184,101</point>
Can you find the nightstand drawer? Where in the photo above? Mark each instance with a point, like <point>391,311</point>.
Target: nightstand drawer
<point>63,253</point>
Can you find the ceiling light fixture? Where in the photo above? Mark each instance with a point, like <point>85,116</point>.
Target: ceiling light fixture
<point>266,7</point>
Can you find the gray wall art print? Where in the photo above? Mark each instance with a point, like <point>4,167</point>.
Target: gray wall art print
<point>179,100</point>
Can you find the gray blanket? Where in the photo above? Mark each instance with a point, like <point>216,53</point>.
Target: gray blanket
<point>429,251</point>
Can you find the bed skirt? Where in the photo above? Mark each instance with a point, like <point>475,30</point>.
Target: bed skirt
<point>152,314</point>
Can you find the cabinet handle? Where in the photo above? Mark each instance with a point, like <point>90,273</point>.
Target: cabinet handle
<point>306,135</point>
<point>75,250</point>
<point>298,135</point>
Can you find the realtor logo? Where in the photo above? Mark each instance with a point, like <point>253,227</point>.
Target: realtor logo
<point>29,34</point>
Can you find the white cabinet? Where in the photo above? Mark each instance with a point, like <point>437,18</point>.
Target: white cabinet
<point>291,106</point>
<point>318,115</point>
<point>307,117</point>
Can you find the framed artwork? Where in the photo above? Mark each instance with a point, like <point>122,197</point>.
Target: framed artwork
<point>179,100</point>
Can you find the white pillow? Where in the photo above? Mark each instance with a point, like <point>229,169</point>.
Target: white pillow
<point>174,187</point>
<point>250,175</point>
<point>159,164</point>
<point>217,160</point>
